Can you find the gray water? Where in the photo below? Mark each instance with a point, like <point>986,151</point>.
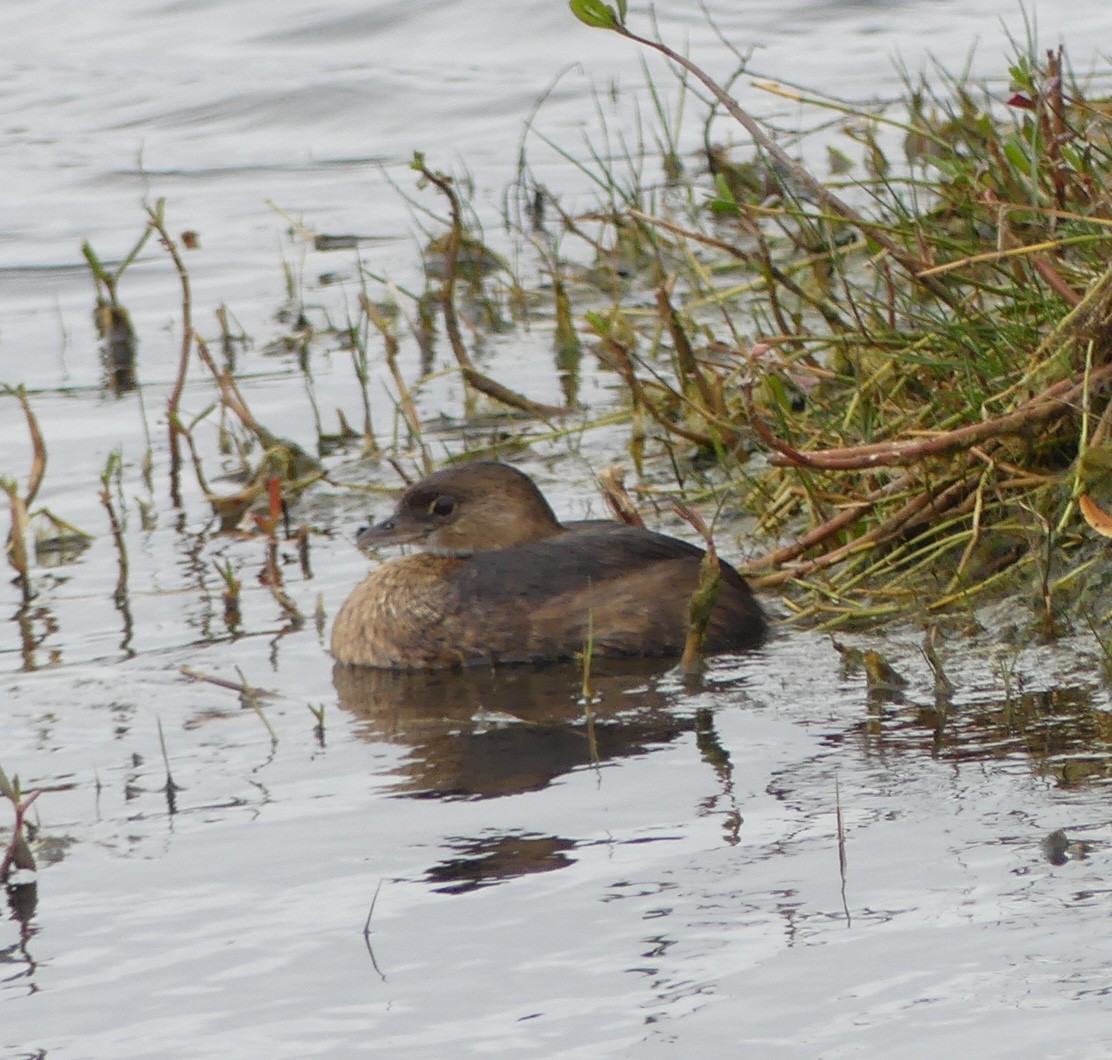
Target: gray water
<point>676,892</point>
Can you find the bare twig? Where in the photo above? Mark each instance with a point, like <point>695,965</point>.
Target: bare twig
<point>471,375</point>
<point>157,220</point>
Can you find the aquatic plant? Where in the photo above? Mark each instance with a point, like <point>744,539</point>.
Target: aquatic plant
<point>17,854</point>
<point>454,246</point>
<point>20,503</point>
<point>924,400</point>
<point>111,317</point>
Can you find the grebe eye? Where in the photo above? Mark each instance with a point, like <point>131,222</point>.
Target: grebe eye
<point>442,506</point>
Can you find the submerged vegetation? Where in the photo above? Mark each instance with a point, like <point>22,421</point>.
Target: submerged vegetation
<point>897,376</point>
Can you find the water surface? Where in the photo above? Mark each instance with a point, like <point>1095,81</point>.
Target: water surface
<point>665,880</point>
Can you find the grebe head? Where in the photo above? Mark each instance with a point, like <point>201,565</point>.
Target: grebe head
<point>477,507</point>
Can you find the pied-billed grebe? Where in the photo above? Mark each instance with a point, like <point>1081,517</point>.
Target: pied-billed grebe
<point>504,581</point>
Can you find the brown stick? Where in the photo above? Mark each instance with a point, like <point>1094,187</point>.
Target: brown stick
<point>222,682</point>
<point>390,342</point>
<point>38,446</point>
<point>156,220</point>
<point>1052,402</point>
<point>471,375</point>
<point>828,529</point>
<point>918,506</point>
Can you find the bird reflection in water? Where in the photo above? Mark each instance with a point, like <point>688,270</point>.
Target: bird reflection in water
<point>489,732</point>
<point>485,732</point>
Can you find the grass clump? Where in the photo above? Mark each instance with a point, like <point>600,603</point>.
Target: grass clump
<point>905,370</point>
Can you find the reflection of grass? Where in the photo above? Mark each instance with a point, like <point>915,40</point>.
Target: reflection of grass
<point>1065,733</point>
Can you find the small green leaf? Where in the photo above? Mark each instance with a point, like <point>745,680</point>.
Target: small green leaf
<point>839,162</point>
<point>1017,155</point>
<point>724,201</point>
<point>778,392</point>
<point>597,322</point>
<point>595,13</point>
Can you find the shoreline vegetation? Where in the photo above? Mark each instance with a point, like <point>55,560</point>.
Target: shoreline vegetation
<point>925,399</point>
<point>897,375</point>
